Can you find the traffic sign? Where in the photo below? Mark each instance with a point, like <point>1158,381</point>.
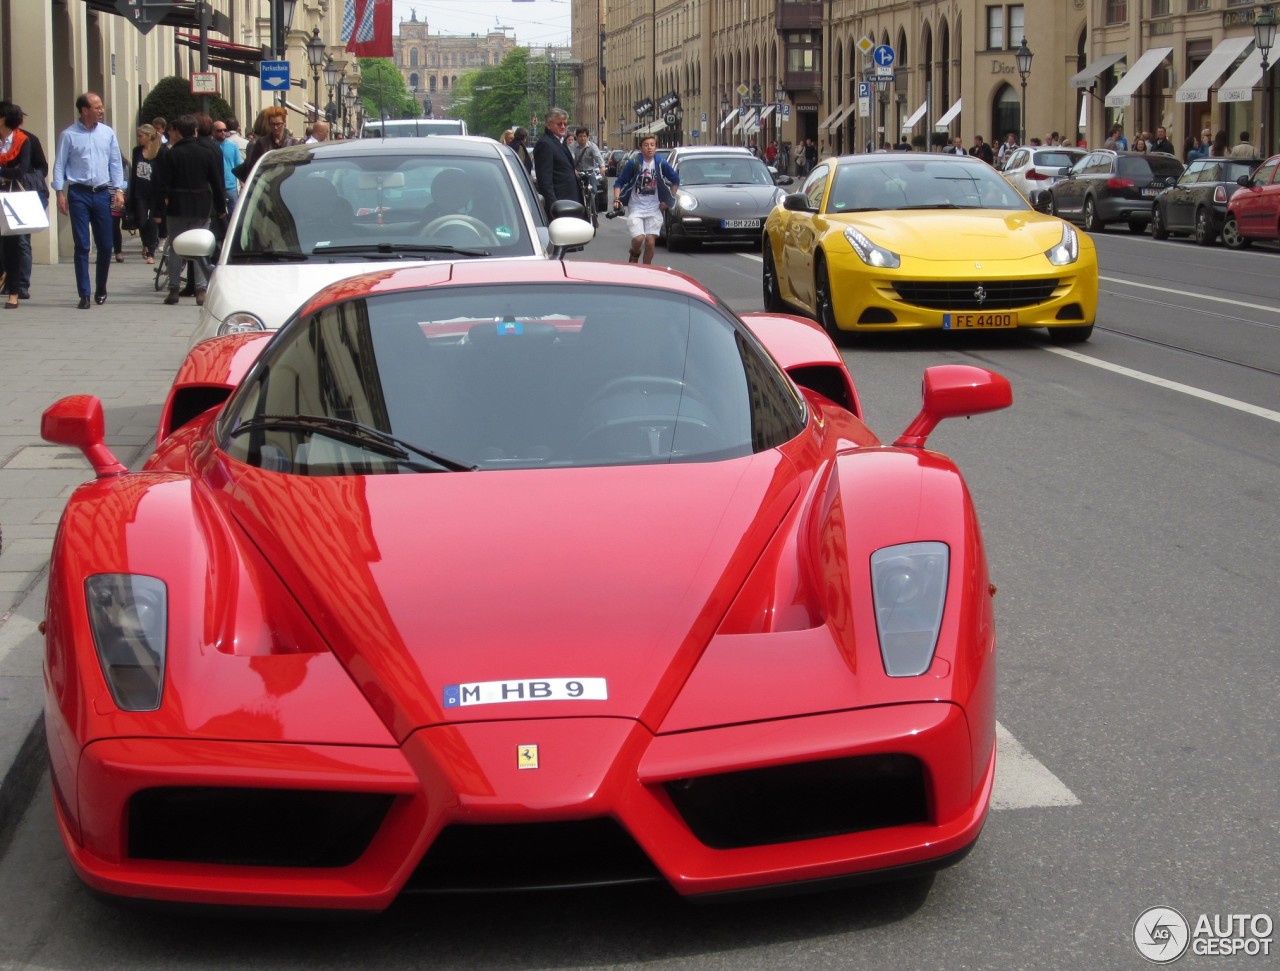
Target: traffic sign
<point>883,78</point>
<point>864,89</point>
<point>274,75</point>
<point>786,112</point>
<point>204,82</point>
<point>884,57</point>
<point>865,44</point>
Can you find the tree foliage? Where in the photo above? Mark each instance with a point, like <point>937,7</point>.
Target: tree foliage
<point>383,91</point>
<point>515,93</point>
<point>172,97</point>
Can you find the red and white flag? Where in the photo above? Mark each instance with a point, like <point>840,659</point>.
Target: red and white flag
<point>366,27</point>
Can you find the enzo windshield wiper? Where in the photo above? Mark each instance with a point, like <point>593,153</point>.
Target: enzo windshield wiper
<point>392,249</point>
<point>269,256</point>
<point>356,433</point>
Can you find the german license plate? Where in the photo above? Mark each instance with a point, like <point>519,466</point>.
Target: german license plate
<point>976,321</point>
<point>1149,190</point>
<point>739,223</point>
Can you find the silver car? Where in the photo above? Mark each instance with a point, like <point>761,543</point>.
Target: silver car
<point>1036,167</point>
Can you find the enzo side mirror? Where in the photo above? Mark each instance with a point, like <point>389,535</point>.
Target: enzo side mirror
<point>77,421</point>
<point>955,391</point>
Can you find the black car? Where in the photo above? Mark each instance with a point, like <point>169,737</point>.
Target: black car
<point>1197,203</point>
<point>724,197</point>
<point>613,162</point>
<point>1112,187</point>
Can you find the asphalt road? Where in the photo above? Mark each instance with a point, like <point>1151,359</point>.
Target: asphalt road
<point>1129,500</point>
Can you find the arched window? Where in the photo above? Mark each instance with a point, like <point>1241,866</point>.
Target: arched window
<point>413,81</point>
<point>431,83</point>
<point>413,57</point>
<point>1005,114</point>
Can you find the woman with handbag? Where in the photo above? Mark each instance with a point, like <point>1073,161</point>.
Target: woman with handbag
<point>139,200</point>
<point>15,171</point>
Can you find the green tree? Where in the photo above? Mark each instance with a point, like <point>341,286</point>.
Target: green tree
<point>383,92</point>
<point>510,94</point>
<point>172,97</point>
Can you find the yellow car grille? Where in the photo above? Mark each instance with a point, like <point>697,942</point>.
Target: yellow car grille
<point>972,295</point>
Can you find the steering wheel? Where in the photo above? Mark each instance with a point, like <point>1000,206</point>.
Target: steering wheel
<point>640,435</point>
<point>473,225</point>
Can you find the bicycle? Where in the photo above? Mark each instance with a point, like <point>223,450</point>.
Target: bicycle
<point>162,269</point>
<point>590,196</point>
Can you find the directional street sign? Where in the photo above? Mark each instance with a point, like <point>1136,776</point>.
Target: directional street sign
<point>143,14</point>
<point>275,75</point>
<point>884,57</point>
<point>883,78</point>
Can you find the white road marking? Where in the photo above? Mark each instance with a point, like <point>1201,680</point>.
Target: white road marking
<point>1186,389</point>
<point>1271,309</point>
<point>1022,782</point>
<point>14,629</point>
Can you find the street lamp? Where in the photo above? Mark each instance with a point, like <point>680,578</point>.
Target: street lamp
<point>724,110</point>
<point>1264,38</point>
<point>1023,58</point>
<point>331,82</point>
<point>315,56</point>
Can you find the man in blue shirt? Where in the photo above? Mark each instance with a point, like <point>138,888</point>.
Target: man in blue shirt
<point>231,157</point>
<point>88,176</point>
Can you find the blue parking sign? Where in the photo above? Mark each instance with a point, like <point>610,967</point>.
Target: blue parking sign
<point>274,75</point>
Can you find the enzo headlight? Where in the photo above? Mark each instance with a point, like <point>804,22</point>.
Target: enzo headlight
<point>909,590</point>
<point>240,322</point>
<point>1068,248</point>
<point>687,201</point>
<point>128,615</point>
<point>871,254</point>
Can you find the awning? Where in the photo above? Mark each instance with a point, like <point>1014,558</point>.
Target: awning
<point>1122,93</point>
<point>826,122</point>
<point>942,123</point>
<point>1085,78</point>
<point>915,116</point>
<point>1239,87</point>
<point>840,116</point>
<point>1196,87</point>
<point>745,122</point>
<point>632,129</point>
<point>728,118</point>
<point>178,14</point>
<point>766,112</point>
<point>226,56</point>
<point>654,127</point>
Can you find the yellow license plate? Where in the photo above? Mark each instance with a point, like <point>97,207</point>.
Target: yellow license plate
<point>978,321</point>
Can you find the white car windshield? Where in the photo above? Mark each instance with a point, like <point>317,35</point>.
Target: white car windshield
<point>305,207</point>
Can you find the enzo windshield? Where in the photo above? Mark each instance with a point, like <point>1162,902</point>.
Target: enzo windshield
<point>498,377</point>
<point>362,207</point>
<point>897,184</point>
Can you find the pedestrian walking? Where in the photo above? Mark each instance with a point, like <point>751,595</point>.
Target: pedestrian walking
<point>646,186</point>
<point>15,173</point>
<point>88,176</point>
<point>190,188</point>
<point>231,158</point>
<point>140,198</point>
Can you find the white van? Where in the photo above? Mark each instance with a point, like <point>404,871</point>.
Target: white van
<point>412,127</point>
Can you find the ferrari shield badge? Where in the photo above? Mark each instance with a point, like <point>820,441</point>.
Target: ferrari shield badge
<point>526,756</point>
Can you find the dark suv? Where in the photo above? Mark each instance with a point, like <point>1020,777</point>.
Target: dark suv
<point>1112,187</point>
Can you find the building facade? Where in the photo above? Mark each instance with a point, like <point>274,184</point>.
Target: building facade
<point>747,71</point>
<point>432,63</point>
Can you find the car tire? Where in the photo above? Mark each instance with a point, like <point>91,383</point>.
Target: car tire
<point>823,302</point>
<point>773,302</point>
<point>1053,205</point>
<point>1092,222</point>
<point>1158,230</point>
<point>1231,234</point>
<point>1070,335</point>
<point>1205,234</point>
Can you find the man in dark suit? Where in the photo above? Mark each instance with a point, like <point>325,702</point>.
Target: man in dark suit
<point>553,167</point>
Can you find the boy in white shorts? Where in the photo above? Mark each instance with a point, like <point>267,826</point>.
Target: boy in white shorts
<point>645,186</point>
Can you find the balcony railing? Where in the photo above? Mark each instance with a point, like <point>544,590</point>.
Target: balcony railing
<point>798,15</point>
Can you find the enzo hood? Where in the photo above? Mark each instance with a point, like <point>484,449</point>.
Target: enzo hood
<point>571,574</point>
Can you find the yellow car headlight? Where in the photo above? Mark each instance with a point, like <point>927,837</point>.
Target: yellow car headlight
<point>869,252</point>
<point>1067,250</point>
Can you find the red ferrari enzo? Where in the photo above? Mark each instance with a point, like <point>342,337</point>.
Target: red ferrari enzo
<point>516,575</point>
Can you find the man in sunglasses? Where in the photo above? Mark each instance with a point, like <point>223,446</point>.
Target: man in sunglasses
<point>553,165</point>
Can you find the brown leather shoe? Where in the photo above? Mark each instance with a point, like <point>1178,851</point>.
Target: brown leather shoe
<point>199,298</point>
<point>172,298</point>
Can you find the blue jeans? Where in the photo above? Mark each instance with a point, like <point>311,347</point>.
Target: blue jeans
<point>90,210</point>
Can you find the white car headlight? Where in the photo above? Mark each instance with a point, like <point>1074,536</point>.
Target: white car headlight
<point>778,195</point>
<point>1068,249</point>
<point>240,322</point>
<point>687,200</point>
<point>909,590</point>
<point>128,615</point>
<point>869,252</point>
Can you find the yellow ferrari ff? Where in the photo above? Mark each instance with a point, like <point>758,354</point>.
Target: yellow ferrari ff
<point>905,241</point>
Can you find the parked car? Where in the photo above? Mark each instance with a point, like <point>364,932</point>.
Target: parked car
<point>908,241</point>
<point>1196,204</point>
<point>1108,187</point>
<point>1253,211</point>
<point>1031,168</point>
<point>724,197</point>
<point>512,575</point>
<point>312,214</point>
<point>412,127</point>
<point>614,162</point>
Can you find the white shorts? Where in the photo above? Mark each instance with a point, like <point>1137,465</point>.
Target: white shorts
<point>647,223</point>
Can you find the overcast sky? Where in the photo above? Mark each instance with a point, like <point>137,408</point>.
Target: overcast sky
<point>532,23</point>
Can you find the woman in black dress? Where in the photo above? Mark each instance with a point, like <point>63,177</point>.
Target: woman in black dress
<point>139,201</point>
